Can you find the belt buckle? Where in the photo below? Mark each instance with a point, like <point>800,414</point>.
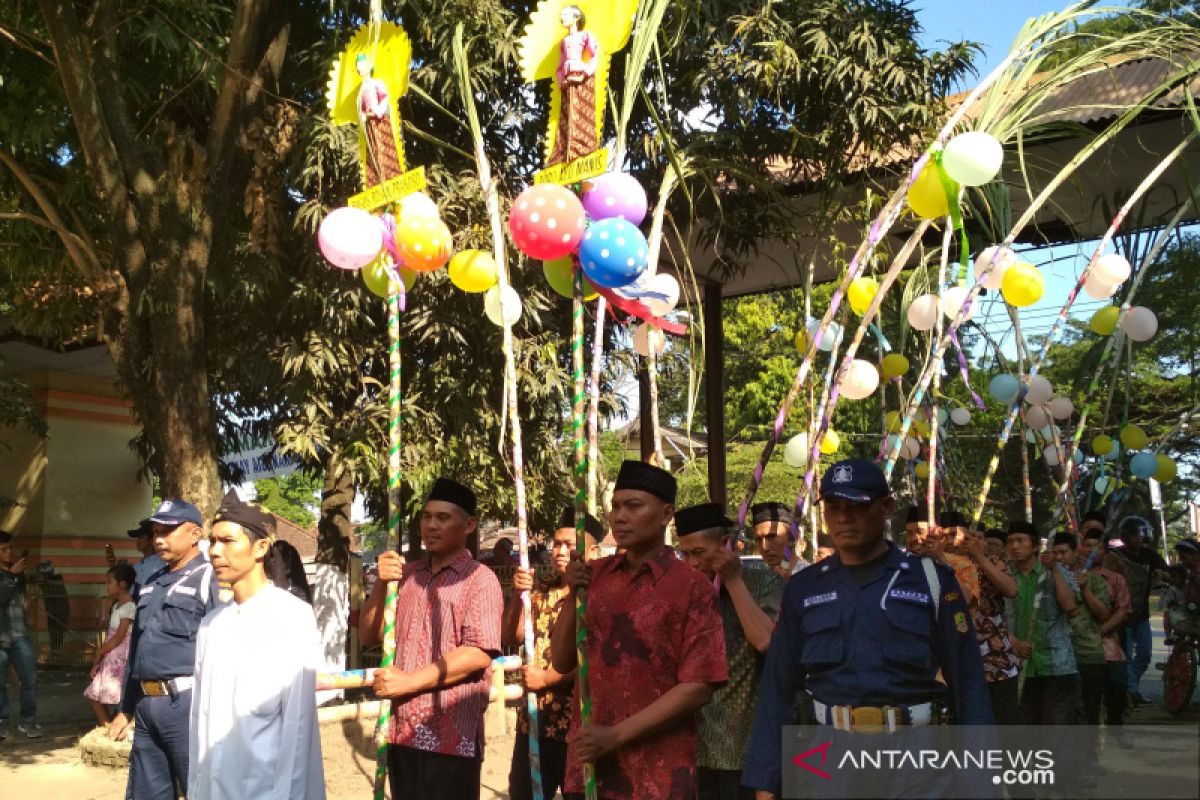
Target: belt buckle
<point>867,720</point>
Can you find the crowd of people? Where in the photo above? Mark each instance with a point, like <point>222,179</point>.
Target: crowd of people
<point>694,659</point>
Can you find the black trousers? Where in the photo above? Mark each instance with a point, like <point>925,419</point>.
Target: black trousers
<point>1103,684</point>
<point>158,761</point>
<point>1050,700</point>
<point>722,784</point>
<point>554,768</point>
<point>1005,708</point>
<point>421,775</point>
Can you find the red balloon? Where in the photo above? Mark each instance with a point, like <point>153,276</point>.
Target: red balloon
<point>547,222</point>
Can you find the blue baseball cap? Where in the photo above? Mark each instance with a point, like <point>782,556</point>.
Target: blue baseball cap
<point>175,512</point>
<point>856,480</point>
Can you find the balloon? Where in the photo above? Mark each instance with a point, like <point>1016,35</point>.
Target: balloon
<point>1133,437</point>
<point>546,221</point>
<point>560,274</point>
<point>1003,388</point>
<point>1101,484</point>
<point>892,421</point>
<point>1040,391</point>
<point>615,195</point>
<point>424,243</point>
<point>418,204</point>
<point>1023,285</point>
<point>663,284</point>
<point>973,159</point>
<point>894,365</point>
<point>795,452</point>
<point>952,300</point>
<point>646,336</point>
<point>921,427</point>
<point>1112,269</point>
<point>832,335</point>
<point>923,311</point>
<point>999,259</point>
<point>1104,321</point>
<point>860,380</point>
<point>474,270</point>
<point>911,448</point>
<point>1143,465</point>
<point>960,416</point>
<point>1166,469</point>
<point>1031,435</point>
<point>831,442</point>
<point>350,238</point>
<point>1113,454</point>
<point>378,281</point>
<point>1102,444</point>
<point>922,470</point>
<point>509,304</point>
<point>1140,324</point>
<point>613,253</point>
<point>860,294</point>
<point>1037,416</point>
<point>801,341</point>
<point>1051,455</point>
<point>1098,290</point>
<point>1061,407</point>
<point>1077,455</point>
<point>927,197</point>
<point>1047,432</point>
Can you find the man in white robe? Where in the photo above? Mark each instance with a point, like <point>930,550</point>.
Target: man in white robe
<point>254,731</point>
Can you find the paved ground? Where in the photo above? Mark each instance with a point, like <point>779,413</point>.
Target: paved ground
<point>51,768</point>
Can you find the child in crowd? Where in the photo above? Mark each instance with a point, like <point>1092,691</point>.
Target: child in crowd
<point>1177,617</point>
<point>108,668</point>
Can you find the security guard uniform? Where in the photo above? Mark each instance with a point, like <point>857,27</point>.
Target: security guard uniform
<point>158,680</point>
<point>868,654</point>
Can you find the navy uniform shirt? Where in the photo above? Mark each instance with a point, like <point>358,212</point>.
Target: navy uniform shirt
<point>169,609</point>
<point>873,644</point>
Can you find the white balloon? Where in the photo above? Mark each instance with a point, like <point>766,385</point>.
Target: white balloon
<point>1051,455</point>
<point>1040,392</point>
<point>1061,407</point>
<point>646,336</point>
<point>418,204</point>
<point>1112,269</point>
<point>999,259</point>
<point>922,313</point>
<point>1140,324</point>
<point>860,380</point>
<point>973,158</point>
<point>1037,416</point>
<point>952,300</point>
<point>960,416</point>
<point>509,305</point>
<point>664,284</point>
<point>795,452</point>
<point>911,448</point>
<point>1097,289</point>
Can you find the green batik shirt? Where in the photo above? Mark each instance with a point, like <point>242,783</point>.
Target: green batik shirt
<point>1050,630</point>
<point>1085,629</point>
<point>725,722</point>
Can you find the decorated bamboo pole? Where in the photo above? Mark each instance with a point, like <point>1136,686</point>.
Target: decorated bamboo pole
<point>931,487</point>
<point>593,417</point>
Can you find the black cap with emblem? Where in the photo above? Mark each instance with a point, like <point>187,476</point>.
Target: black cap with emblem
<point>856,480</point>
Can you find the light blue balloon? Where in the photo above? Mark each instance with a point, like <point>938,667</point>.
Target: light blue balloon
<point>1115,453</point>
<point>1003,388</point>
<point>1143,465</point>
<point>1077,456</point>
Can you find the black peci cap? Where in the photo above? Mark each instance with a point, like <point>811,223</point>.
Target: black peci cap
<point>647,478</point>
<point>770,512</point>
<point>449,491</point>
<point>257,523</point>
<point>590,524</point>
<point>703,517</point>
<point>1027,528</point>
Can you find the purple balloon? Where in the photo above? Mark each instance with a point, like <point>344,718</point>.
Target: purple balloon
<point>615,195</point>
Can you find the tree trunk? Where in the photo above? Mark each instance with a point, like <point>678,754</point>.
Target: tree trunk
<point>334,529</point>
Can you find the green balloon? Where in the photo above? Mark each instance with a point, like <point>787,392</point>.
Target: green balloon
<point>375,276</point>
<point>560,275</point>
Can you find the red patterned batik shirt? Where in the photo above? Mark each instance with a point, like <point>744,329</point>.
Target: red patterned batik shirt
<point>457,606</point>
<point>650,629</point>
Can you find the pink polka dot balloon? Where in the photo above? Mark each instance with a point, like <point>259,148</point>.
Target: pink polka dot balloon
<point>546,222</point>
<point>615,195</point>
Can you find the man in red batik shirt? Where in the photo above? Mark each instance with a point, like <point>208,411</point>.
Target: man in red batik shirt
<point>655,649</point>
<point>447,632</point>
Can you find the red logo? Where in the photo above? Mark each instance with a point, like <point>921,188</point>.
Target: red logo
<point>801,760</point>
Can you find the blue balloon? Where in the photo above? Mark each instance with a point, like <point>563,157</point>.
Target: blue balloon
<point>613,253</point>
<point>1113,454</point>
<point>1003,388</point>
<point>1144,465</point>
<point>1077,456</point>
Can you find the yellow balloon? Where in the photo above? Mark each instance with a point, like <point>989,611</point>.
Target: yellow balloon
<point>927,196</point>
<point>801,340</point>
<point>892,419</point>
<point>921,427</point>
<point>1102,445</point>
<point>1104,321</point>
<point>860,294</point>
<point>1133,437</point>
<point>1023,285</point>
<point>894,365</point>
<point>474,270</point>
<point>922,470</point>
<point>1166,469</point>
<point>831,442</point>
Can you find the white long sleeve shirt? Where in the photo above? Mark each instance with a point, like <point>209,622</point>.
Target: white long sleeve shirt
<point>254,731</point>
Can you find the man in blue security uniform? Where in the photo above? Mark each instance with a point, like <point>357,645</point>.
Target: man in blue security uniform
<point>865,633</point>
<point>158,680</point>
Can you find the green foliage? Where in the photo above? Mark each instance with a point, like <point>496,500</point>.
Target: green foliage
<point>293,497</point>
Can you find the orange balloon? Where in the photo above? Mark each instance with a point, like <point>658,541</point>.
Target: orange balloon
<point>425,243</point>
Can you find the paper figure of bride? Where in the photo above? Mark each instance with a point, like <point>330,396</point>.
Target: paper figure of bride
<point>573,43</point>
